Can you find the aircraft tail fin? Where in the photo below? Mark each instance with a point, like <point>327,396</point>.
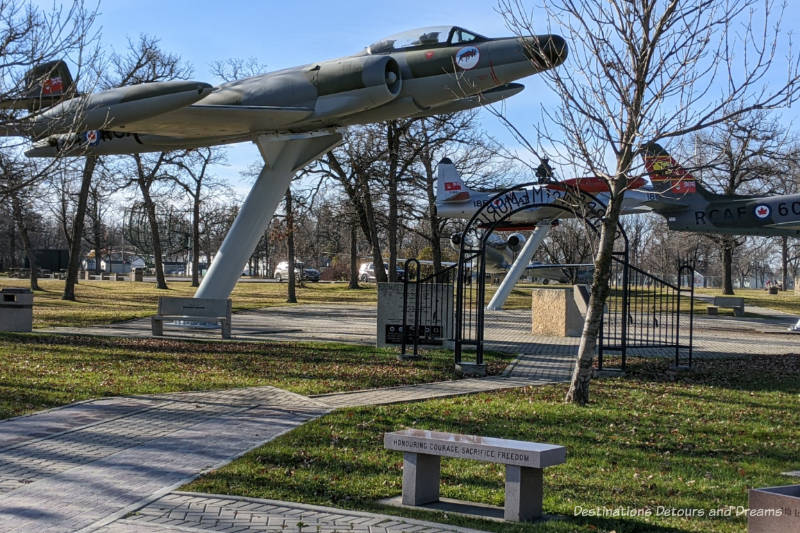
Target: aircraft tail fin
<point>449,185</point>
<point>668,176</point>
<point>44,85</point>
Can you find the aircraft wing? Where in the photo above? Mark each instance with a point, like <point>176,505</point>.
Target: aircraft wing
<point>790,225</point>
<point>203,120</point>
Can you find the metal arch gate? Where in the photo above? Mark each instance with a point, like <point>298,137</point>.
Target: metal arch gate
<point>650,306</point>
<point>470,304</point>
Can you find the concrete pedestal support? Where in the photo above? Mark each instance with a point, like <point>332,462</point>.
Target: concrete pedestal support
<point>282,158</point>
<point>421,475</point>
<point>516,270</point>
<point>523,493</point>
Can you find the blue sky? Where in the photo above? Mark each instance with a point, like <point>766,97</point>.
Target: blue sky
<point>282,34</point>
<point>290,33</point>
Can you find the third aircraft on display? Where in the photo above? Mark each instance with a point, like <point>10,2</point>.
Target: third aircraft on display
<point>673,193</point>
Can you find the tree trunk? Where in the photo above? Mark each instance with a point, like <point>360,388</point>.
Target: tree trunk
<point>291,296</point>
<point>372,235</point>
<point>353,255</point>
<point>19,218</point>
<point>77,228</point>
<point>12,244</point>
<point>266,250</point>
<point>435,221</point>
<point>196,239</point>
<point>785,263</point>
<point>150,208</point>
<point>582,373</point>
<point>98,237</point>
<point>727,266</point>
<point>392,141</point>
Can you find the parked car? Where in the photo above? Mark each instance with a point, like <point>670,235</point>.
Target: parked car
<point>300,272</point>
<point>366,272</point>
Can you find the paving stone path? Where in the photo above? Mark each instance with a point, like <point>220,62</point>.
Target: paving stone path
<point>213,512</point>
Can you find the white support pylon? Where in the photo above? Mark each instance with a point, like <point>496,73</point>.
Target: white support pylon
<point>516,270</point>
<point>282,158</point>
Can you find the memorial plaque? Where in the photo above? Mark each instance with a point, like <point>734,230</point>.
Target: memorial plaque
<point>431,335</point>
<point>488,449</point>
<point>436,320</point>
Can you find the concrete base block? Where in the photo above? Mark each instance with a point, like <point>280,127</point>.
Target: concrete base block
<point>774,509</point>
<point>554,313</point>
<point>471,370</point>
<point>420,478</point>
<point>523,493</point>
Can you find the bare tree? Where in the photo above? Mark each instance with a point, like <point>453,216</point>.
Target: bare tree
<point>643,71</point>
<point>14,172</point>
<point>744,155</point>
<point>195,181</point>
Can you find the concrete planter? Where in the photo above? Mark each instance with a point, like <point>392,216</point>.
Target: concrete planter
<point>774,509</point>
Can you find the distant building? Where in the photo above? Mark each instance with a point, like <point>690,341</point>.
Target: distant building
<point>114,262</point>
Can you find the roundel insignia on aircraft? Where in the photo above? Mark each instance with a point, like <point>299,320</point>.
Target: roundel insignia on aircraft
<point>762,211</point>
<point>92,137</point>
<point>467,58</point>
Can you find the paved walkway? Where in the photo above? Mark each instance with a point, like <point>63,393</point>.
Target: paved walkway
<point>506,331</point>
<point>191,511</point>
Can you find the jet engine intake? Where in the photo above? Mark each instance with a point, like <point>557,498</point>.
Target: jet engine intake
<point>356,84</point>
<point>516,241</point>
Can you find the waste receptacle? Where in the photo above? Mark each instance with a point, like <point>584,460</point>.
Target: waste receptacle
<point>137,274</point>
<point>773,290</point>
<point>16,309</point>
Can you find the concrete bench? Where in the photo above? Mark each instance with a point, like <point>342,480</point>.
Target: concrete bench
<point>524,464</point>
<point>734,302</point>
<point>192,310</point>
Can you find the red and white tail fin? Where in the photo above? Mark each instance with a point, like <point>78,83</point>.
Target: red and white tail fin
<point>449,185</point>
<point>667,175</point>
<point>45,85</point>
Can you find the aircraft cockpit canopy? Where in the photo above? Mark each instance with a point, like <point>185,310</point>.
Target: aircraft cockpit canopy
<point>424,37</point>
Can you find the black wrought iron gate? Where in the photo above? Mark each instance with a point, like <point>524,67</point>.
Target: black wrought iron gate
<point>642,311</point>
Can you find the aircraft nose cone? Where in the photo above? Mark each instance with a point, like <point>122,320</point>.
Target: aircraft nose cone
<point>547,51</point>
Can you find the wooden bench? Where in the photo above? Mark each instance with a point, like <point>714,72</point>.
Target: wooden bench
<point>734,302</point>
<point>524,464</point>
<point>193,310</point>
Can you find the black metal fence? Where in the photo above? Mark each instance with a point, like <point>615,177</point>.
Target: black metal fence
<point>428,305</point>
<point>644,312</point>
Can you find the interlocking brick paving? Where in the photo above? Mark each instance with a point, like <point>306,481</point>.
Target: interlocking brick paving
<point>212,512</point>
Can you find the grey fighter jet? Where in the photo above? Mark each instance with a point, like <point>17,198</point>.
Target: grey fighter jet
<point>294,116</point>
<point>416,73</point>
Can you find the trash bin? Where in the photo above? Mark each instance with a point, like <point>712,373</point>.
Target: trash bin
<point>773,290</point>
<point>137,274</point>
<point>16,309</point>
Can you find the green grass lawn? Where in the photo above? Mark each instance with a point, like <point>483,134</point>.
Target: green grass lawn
<point>644,441</point>
<point>42,371</point>
<point>104,302</point>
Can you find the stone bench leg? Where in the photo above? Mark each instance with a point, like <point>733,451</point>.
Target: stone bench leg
<point>523,493</point>
<point>226,329</point>
<point>420,478</point>
<point>157,327</point>
<point>738,311</point>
